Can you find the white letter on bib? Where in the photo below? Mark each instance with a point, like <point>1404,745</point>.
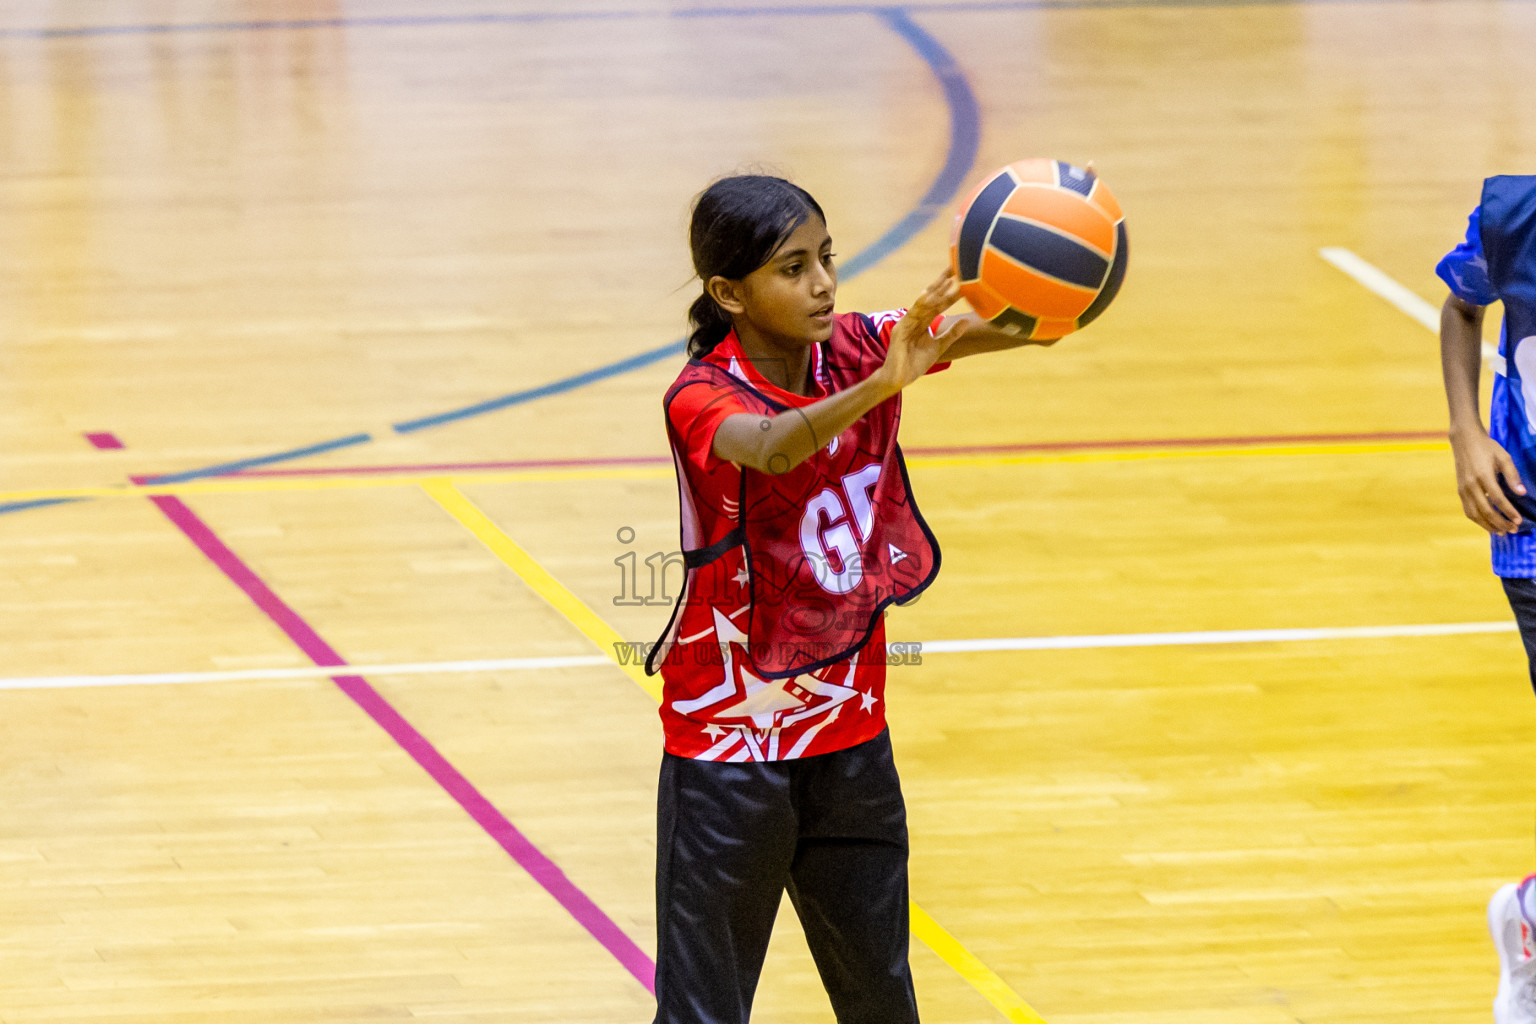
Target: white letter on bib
<point>818,543</point>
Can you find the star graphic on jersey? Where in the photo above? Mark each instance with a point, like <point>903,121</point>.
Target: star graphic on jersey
<point>767,703</point>
<point>742,576</point>
<point>724,628</point>
<point>728,634</point>
<point>713,731</point>
<point>763,702</point>
<point>869,700</point>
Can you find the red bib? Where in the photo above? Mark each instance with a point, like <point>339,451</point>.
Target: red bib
<point>830,544</point>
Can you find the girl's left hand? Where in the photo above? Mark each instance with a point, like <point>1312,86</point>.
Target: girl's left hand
<point>913,349</point>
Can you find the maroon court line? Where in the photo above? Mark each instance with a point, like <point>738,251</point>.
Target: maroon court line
<point>463,467</point>
<point>529,857</point>
<point>104,439</point>
<point>1171,443</point>
<point>1174,443</point>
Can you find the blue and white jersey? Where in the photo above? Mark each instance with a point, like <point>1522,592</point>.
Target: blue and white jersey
<point>1465,270</point>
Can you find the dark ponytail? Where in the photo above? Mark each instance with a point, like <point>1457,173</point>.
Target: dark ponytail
<point>708,325</point>
<point>738,223</point>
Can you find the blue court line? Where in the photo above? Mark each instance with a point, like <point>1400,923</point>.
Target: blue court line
<point>224,468</point>
<point>674,348</point>
<point>537,17</point>
<point>221,469</point>
<point>22,506</point>
<point>964,144</point>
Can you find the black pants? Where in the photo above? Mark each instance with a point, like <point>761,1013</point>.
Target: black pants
<point>731,838</point>
<point>1522,600</point>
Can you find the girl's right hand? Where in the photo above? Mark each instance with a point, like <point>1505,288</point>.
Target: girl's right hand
<point>1480,463</point>
<point>914,349</point>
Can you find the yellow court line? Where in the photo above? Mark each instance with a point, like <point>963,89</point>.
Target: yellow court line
<point>342,481</point>
<point>536,576</point>
<point>982,978</point>
<point>965,963</point>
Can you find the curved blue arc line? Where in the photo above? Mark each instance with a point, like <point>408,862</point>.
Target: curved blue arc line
<point>964,143</point>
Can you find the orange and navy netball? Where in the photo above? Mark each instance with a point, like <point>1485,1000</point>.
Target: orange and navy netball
<point>1039,248</point>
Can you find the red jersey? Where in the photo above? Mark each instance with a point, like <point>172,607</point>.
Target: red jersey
<point>776,649</point>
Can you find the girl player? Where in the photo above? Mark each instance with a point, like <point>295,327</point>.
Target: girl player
<point>798,530</point>
<point>1497,263</point>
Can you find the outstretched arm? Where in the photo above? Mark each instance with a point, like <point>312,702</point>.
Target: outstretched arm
<point>777,444</point>
<point>980,337</point>
<point>1480,461</point>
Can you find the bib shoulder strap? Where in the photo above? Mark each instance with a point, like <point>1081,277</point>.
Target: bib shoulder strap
<point>700,372</point>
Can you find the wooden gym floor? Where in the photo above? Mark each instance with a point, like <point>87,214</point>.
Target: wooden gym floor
<point>383,296</point>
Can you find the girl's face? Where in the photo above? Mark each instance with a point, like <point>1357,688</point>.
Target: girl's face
<point>788,300</point>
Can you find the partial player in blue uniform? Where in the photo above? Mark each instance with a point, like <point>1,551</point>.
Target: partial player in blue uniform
<point>1497,263</point>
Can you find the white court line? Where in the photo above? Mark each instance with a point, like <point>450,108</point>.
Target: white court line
<point>1399,295</point>
<point>1220,636</point>
<point>1022,643</point>
<point>1377,281</point>
<point>306,672</point>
